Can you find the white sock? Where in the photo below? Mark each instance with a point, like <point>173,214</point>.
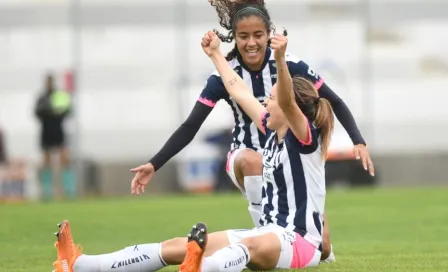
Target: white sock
<point>233,258</point>
<point>138,258</point>
<point>254,187</point>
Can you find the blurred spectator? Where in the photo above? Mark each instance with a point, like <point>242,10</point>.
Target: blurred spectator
<point>2,148</point>
<point>12,175</point>
<point>51,109</point>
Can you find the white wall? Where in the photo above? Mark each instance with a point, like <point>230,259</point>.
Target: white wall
<point>128,108</point>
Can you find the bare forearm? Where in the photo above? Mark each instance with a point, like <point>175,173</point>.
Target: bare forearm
<point>235,86</point>
<point>284,84</point>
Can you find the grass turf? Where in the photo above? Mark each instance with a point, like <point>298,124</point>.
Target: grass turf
<point>371,230</point>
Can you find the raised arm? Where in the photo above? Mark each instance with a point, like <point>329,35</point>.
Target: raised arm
<point>234,84</point>
<point>298,123</point>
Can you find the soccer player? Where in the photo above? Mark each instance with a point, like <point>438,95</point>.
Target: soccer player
<point>250,25</point>
<point>51,115</point>
<point>298,126</point>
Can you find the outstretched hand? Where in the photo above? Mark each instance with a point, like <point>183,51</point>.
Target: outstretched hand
<point>362,153</point>
<point>210,43</point>
<point>143,174</point>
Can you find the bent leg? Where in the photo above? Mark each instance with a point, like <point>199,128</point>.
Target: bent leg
<point>245,168</point>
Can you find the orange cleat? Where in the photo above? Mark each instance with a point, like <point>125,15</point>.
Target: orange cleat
<point>197,241</point>
<point>68,252</point>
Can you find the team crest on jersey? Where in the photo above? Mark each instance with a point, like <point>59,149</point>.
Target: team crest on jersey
<point>272,159</point>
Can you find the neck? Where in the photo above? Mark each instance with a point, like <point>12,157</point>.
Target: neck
<point>281,132</point>
<point>255,67</point>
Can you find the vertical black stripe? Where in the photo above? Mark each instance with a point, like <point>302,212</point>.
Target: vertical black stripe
<point>247,140</point>
<point>300,189</point>
<point>280,182</point>
<point>237,128</point>
<point>269,207</point>
<point>316,218</point>
<point>269,188</point>
<point>273,69</point>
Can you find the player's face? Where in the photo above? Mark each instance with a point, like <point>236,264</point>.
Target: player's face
<point>251,38</point>
<point>276,118</point>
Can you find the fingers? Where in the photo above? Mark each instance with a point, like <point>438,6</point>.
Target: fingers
<point>356,153</point>
<point>134,186</point>
<point>137,169</point>
<point>137,188</point>
<point>363,154</point>
<point>371,167</point>
<point>208,38</point>
<point>364,161</point>
<point>279,42</point>
<point>279,38</point>
<point>211,35</point>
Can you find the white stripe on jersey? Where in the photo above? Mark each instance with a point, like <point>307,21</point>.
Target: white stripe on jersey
<point>267,80</point>
<point>315,190</point>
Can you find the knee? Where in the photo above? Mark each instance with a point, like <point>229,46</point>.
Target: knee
<point>264,253</point>
<point>249,163</point>
<point>173,251</point>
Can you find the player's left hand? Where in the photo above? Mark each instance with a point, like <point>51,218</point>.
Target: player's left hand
<point>279,43</point>
<point>362,153</point>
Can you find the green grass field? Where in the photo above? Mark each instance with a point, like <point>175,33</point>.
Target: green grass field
<point>372,230</point>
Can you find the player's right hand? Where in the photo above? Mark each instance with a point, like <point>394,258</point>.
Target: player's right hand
<point>143,174</point>
<point>210,43</point>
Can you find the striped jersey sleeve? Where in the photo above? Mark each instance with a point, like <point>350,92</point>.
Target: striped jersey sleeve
<point>298,67</point>
<point>302,147</point>
<point>213,91</point>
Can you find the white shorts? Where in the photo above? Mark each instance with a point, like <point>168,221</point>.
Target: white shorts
<point>296,251</point>
<point>230,167</point>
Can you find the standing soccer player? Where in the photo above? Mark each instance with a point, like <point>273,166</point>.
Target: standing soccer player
<point>52,107</point>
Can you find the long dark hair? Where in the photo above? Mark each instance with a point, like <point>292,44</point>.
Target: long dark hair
<point>230,12</point>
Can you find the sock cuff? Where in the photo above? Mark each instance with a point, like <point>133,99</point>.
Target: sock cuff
<point>252,178</point>
<point>246,251</point>
<point>160,255</point>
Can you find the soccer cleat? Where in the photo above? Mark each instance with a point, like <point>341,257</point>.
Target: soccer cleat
<point>68,252</point>
<point>197,241</point>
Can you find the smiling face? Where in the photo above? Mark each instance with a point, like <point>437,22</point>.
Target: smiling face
<point>251,37</point>
<point>276,118</point>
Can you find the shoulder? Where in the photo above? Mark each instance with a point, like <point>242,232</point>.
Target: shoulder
<point>234,64</point>
<point>298,67</point>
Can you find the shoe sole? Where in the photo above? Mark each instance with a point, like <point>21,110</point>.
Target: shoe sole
<point>197,242</point>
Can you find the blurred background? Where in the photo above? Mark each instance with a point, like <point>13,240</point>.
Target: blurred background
<point>134,69</point>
